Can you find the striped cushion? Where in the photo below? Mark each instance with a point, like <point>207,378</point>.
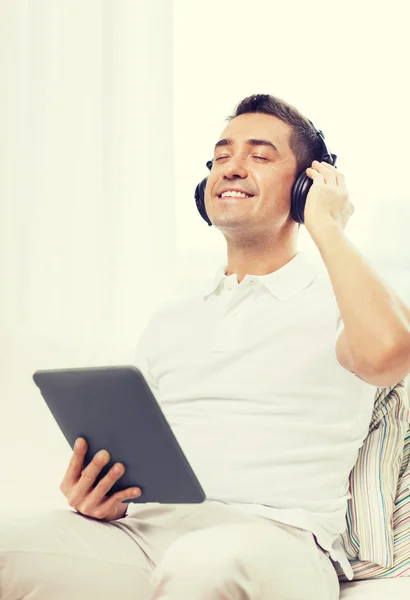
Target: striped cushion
<point>373,482</point>
<point>401,528</point>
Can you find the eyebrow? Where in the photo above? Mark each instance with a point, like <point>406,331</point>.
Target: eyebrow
<point>250,142</point>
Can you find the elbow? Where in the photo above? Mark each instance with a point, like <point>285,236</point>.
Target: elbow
<point>389,366</point>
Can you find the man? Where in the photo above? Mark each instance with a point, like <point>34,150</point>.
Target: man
<point>267,378</point>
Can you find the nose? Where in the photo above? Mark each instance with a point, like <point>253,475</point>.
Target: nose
<point>235,169</point>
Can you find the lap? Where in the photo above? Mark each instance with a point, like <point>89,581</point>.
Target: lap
<point>62,555</point>
<point>259,558</point>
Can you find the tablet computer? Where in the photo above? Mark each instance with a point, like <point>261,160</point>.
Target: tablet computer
<point>113,409</point>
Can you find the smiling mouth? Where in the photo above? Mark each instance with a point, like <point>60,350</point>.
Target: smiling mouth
<point>235,196</point>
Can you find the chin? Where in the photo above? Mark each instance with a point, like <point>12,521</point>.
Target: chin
<point>228,220</point>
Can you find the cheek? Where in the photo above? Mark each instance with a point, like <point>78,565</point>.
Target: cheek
<point>277,196</point>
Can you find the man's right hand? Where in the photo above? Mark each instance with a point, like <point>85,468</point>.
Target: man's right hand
<point>89,500</point>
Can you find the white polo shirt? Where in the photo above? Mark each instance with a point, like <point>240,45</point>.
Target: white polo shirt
<point>247,377</point>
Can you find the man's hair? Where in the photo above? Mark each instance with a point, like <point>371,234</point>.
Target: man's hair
<point>304,141</point>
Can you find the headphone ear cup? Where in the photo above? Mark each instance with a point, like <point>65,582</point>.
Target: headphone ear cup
<point>300,191</point>
<point>200,200</point>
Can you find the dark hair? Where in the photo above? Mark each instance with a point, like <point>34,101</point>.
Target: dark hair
<point>304,141</point>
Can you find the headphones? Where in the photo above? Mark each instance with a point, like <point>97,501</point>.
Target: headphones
<point>300,188</point>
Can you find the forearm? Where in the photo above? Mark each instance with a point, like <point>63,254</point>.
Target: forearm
<point>376,319</point>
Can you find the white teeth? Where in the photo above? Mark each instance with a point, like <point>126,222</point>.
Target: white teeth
<point>235,194</point>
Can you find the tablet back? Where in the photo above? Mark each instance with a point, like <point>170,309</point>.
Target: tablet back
<point>113,408</point>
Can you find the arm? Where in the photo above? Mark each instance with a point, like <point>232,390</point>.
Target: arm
<point>375,343</point>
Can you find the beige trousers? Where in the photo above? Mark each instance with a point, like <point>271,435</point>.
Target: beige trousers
<point>206,551</point>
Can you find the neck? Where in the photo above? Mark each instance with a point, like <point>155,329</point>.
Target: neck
<point>259,260</point>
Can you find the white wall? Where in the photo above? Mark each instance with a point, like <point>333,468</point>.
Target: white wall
<point>87,236</point>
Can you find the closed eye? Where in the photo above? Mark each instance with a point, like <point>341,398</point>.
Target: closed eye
<point>259,157</point>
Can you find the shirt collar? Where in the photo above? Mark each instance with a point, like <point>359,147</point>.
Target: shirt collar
<point>283,283</point>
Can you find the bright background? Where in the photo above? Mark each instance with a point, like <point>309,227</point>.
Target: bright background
<point>108,114</point>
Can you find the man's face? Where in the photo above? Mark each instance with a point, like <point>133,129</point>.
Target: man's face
<point>255,157</point>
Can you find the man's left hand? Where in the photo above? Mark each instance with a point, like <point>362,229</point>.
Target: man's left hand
<point>328,201</point>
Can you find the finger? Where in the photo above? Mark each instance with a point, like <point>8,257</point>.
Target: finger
<point>105,484</point>
<point>111,507</point>
<point>315,175</point>
<point>341,182</point>
<point>324,165</point>
<point>75,466</point>
<point>88,477</point>
<point>328,172</point>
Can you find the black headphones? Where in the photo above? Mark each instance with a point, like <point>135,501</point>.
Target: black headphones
<point>300,188</point>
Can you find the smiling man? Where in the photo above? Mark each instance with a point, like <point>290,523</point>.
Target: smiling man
<point>267,377</point>
<point>248,199</point>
